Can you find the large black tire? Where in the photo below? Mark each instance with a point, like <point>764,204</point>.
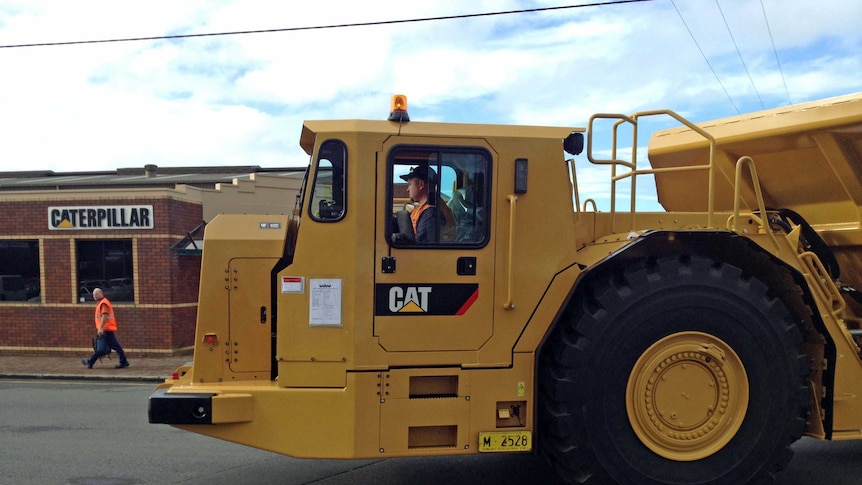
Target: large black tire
<point>673,371</point>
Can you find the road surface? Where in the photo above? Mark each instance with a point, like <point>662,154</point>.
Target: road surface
<point>96,433</point>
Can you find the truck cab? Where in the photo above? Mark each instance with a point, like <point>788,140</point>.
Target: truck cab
<point>400,340</point>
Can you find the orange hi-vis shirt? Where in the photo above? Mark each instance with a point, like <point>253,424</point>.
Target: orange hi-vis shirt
<point>104,307</point>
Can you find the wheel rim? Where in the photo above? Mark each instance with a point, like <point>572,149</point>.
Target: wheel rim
<point>687,396</point>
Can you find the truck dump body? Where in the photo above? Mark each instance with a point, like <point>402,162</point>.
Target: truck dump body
<point>808,159</point>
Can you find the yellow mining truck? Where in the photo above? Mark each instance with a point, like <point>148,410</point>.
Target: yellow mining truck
<point>692,345</point>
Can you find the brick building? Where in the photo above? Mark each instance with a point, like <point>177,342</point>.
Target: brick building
<point>136,233</point>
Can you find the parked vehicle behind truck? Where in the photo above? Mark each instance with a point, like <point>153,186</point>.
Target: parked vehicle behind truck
<point>692,345</point>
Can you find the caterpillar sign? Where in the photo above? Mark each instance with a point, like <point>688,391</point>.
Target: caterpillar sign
<point>101,217</point>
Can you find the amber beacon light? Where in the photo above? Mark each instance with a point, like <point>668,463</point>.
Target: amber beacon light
<point>398,108</point>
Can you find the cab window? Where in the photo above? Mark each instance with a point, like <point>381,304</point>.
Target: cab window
<point>328,197</point>
<point>438,196</point>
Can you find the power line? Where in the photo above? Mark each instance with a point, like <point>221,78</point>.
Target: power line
<point>320,27</point>
<point>768,29</point>
<point>705,58</point>
<point>738,53</point>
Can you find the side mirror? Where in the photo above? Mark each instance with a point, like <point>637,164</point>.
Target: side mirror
<point>574,143</point>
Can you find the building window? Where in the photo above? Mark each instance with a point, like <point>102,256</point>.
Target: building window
<point>19,271</point>
<point>438,196</point>
<point>105,264</point>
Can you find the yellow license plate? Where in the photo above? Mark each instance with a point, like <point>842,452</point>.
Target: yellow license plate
<point>504,441</point>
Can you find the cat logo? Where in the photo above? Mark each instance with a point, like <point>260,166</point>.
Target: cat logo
<point>415,299</point>
<point>412,299</point>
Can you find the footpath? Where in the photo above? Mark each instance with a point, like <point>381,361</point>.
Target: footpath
<point>141,369</point>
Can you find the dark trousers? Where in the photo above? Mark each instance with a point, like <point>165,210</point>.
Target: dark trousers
<point>114,345</point>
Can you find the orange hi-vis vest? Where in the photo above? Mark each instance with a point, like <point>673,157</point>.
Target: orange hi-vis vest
<point>416,213</point>
<point>104,307</point>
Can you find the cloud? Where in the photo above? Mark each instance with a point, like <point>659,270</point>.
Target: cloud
<point>241,99</point>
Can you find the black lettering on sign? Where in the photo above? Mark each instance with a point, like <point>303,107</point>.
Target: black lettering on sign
<point>144,217</point>
<point>101,217</point>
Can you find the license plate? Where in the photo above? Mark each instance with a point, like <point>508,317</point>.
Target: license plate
<point>505,441</point>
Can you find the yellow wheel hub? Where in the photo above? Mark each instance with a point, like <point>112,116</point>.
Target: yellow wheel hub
<point>687,395</point>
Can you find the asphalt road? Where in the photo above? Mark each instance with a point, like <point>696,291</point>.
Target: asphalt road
<point>91,433</point>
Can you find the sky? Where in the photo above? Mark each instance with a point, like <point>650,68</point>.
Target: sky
<point>241,99</point>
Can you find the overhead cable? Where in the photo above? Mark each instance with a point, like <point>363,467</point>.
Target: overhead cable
<point>320,27</point>
<point>777,60</point>
<point>705,58</point>
<point>738,53</point>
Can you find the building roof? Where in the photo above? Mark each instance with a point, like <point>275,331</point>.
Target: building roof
<point>149,176</point>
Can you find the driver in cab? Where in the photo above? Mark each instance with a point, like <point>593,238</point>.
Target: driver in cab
<point>426,220</point>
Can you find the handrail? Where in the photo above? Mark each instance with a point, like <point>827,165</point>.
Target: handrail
<point>632,166</point>
<point>622,118</point>
<point>574,172</point>
<point>758,194</point>
<point>510,305</point>
<point>613,161</point>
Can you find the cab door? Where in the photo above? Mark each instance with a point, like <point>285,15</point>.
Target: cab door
<point>434,294</point>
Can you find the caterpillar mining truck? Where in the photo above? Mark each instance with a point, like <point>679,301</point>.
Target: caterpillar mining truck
<point>690,345</point>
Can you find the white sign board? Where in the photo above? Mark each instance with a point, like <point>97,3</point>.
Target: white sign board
<point>101,217</point>
<point>324,302</point>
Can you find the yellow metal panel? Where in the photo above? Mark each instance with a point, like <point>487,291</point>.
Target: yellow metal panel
<point>312,374</point>
<point>249,341</point>
<point>230,236</point>
<point>488,387</point>
<point>534,236</point>
<point>418,128</point>
<point>424,408</point>
<point>398,416</point>
<point>303,423</point>
<point>397,382</point>
<point>548,309</point>
<point>340,250</point>
<point>232,408</point>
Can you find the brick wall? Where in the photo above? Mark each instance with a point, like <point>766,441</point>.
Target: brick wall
<point>161,320</point>
<point>68,330</point>
<point>56,267</point>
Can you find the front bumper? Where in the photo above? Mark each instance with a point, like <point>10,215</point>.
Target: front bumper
<point>200,407</point>
<point>178,408</point>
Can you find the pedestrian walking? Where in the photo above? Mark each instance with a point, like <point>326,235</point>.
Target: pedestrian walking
<point>106,324</point>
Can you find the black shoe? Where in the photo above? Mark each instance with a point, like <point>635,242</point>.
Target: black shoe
<point>122,365</point>
<point>86,364</point>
